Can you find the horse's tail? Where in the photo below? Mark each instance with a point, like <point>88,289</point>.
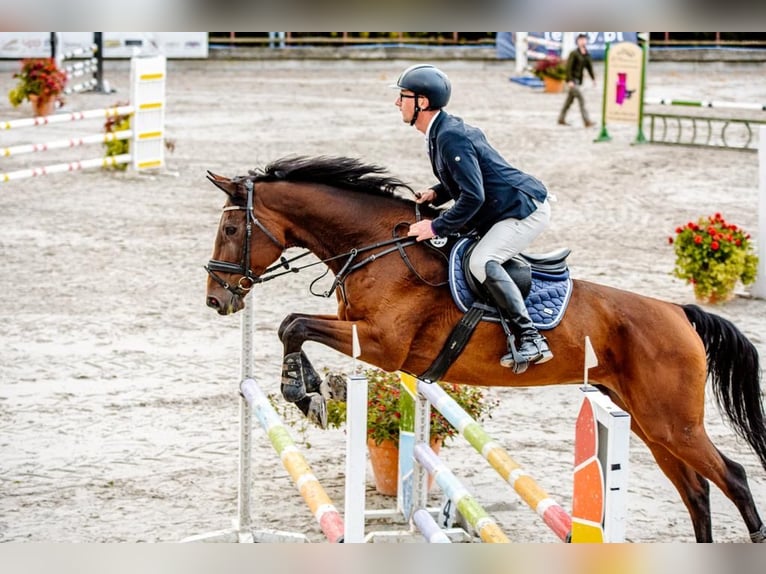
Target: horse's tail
<point>732,364</point>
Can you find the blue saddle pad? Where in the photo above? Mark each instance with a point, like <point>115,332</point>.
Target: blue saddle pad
<point>547,300</point>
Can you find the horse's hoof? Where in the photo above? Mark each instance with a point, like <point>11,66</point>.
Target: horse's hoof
<point>317,411</point>
<point>759,536</point>
<point>334,388</point>
<point>292,387</point>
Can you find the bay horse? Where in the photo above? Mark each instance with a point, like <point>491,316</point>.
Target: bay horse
<point>654,356</point>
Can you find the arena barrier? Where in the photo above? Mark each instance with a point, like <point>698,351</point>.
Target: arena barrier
<point>86,62</point>
<point>534,48</point>
<point>253,400</point>
<point>701,130</point>
<point>147,111</point>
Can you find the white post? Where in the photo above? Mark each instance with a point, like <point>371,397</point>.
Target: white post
<point>422,436</point>
<point>521,52</point>
<point>245,425</point>
<point>759,287</point>
<point>356,457</point>
<point>147,96</point>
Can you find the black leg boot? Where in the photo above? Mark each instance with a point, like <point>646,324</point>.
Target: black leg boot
<point>532,345</point>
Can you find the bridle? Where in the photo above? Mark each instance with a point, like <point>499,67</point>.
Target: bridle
<point>215,266</point>
<point>243,267</point>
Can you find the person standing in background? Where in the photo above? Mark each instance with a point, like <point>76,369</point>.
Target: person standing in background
<point>578,61</point>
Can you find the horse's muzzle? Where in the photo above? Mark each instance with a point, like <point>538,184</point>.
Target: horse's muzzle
<point>233,305</point>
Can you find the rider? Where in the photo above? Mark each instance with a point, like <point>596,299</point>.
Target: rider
<point>506,206</point>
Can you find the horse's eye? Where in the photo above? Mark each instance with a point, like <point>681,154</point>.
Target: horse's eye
<point>230,230</point>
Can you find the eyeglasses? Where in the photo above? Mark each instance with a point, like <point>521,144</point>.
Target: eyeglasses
<point>404,96</point>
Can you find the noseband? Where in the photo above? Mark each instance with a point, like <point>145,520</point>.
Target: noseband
<point>242,268</point>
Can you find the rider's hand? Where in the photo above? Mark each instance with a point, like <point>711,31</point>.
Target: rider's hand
<point>426,196</point>
<point>422,230</point>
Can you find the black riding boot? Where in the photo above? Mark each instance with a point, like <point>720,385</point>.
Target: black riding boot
<point>532,345</point>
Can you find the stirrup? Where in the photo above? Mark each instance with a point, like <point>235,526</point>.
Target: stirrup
<point>544,353</point>
<point>513,359</point>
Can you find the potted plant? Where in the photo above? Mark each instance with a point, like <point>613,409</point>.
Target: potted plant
<point>41,82</point>
<point>552,71</point>
<point>115,147</point>
<point>713,255</point>
<point>383,419</point>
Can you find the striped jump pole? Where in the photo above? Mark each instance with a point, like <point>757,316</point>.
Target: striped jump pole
<point>535,496</point>
<point>109,161</point>
<point>66,143</point>
<point>327,516</point>
<point>471,510</point>
<point>68,117</point>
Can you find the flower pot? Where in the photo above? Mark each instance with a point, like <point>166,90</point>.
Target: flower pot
<point>715,298</point>
<point>384,458</point>
<point>42,106</point>
<point>552,85</point>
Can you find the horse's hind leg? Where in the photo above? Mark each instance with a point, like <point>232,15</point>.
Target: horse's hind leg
<point>692,486</point>
<point>690,446</point>
<point>744,501</point>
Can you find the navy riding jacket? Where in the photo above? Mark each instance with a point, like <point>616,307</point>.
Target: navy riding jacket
<point>485,187</point>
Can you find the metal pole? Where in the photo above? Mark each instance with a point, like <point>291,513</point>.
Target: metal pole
<point>98,40</point>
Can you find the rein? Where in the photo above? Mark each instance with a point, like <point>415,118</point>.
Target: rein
<point>285,267</point>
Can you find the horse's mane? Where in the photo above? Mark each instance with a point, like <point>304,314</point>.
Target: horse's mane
<point>343,172</point>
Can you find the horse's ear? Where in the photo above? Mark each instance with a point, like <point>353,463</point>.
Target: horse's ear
<point>222,183</point>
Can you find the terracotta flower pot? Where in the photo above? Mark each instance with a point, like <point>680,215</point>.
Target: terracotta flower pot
<point>42,106</point>
<point>384,458</point>
<point>715,299</point>
<point>552,85</point>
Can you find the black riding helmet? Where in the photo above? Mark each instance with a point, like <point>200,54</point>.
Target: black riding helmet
<point>429,81</point>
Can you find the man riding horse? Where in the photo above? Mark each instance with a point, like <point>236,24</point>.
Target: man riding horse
<point>506,206</point>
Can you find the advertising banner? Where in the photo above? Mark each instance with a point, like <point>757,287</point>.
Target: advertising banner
<point>17,45</point>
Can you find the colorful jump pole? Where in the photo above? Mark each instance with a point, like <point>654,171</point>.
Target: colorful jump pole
<point>538,500</point>
<point>427,526</point>
<point>328,517</point>
<point>471,510</point>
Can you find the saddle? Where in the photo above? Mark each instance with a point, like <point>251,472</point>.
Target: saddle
<point>543,280</point>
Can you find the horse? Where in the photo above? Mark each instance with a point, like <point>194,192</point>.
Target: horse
<point>655,356</point>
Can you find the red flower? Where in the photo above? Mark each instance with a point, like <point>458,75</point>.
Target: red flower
<point>714,246</point>
<point>718,217</point>
<point>697,239</point>
<point>670,241</point>
<point>679,229</point>
<point>738,243</point>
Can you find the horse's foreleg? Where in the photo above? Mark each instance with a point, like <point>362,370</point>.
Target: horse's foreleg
<point>300,382</point>
<point>293,316</point>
